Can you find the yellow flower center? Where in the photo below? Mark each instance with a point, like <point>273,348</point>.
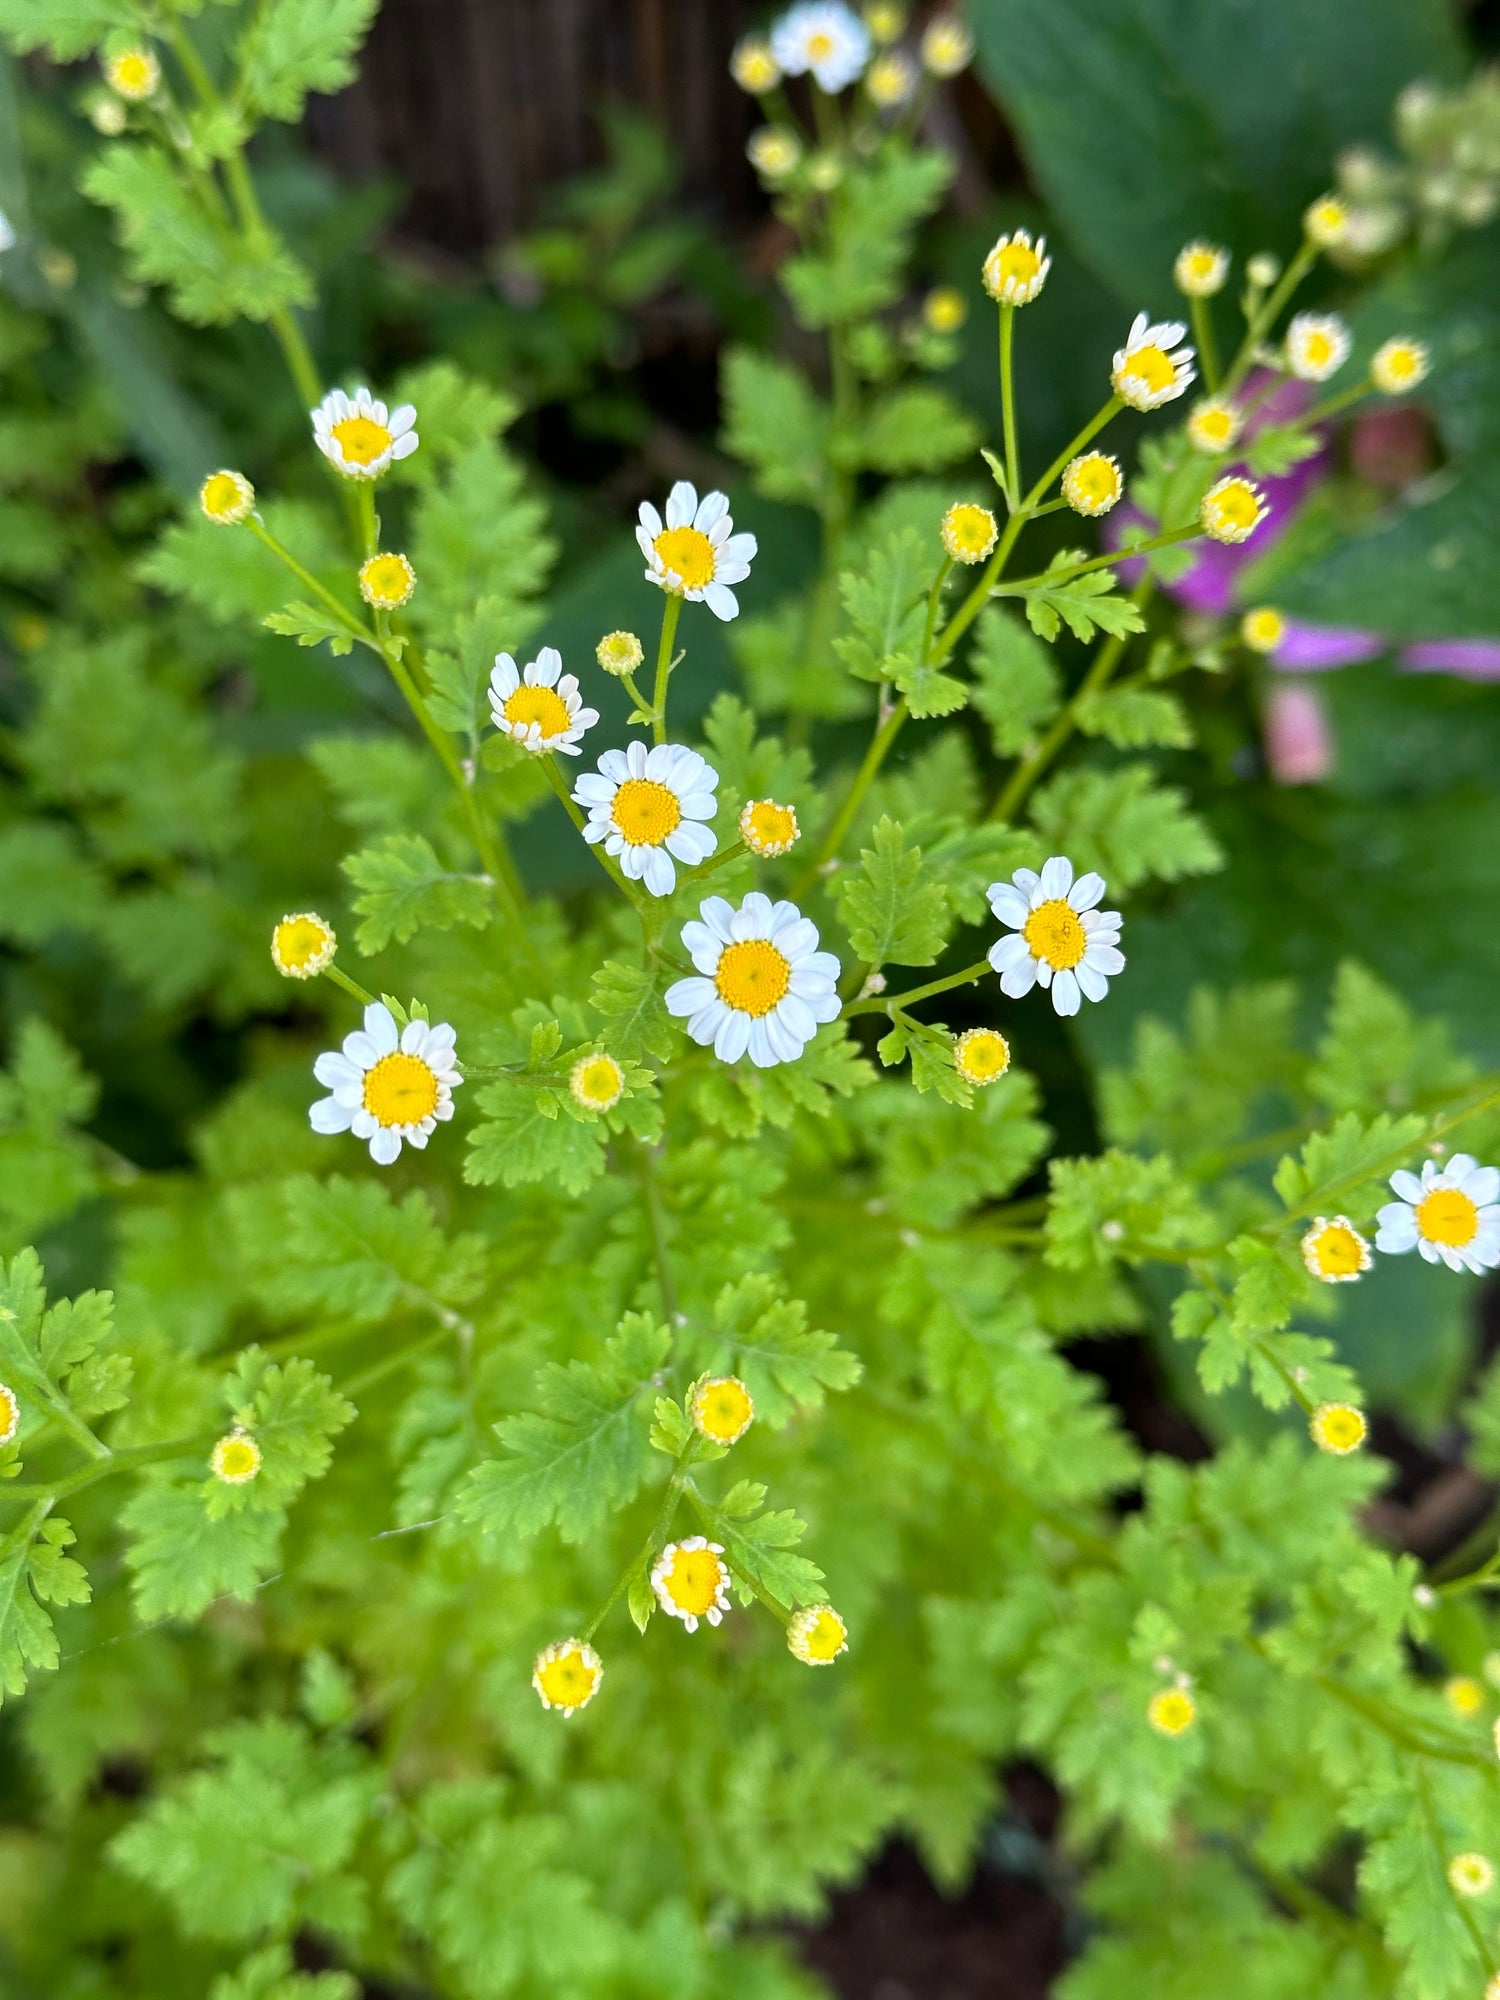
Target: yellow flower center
<point>1054,934</point>
<point>1215,426</point>
<point>297,941</point>
<point>598,1080</point>
<point>819,47</point>
<point>723,1409</point>
<point>222,494</point>
<point>362,440</point>
<point>971,530</point>
<point>1400,363</point>
<point>1339,1427</point>
<point>1465,1695</point>
<point>645,812</point>
<point>982,1055</point>
<point>569,1680</point>
<point>1095,479</point>
<point>1337,1251</point>
<point>237,1459</point>
<point>823,1635</point>
<point>1236,506</point>
<point>1264,630</point>
<point>1151,365</point>
<point>1201,264</point>
<point>1172,1711</point>
<point>1016,264</point>
<point>400,1090</point>
<point>752,976</point>
<point>693,1581</point>
<point>1317,348</point>
<point>542,705</point>
<point>770,825</point>
<point>387,577</point>
<point>688,554</point>
<point>132,73</point>
<point>1446,1216</point>
<point>945,310</point>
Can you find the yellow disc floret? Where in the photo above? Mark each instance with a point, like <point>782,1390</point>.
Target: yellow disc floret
<point>645,812</point>
<point>722,1408</point>
<point>1015,270</point>
<point>767,828</point>
<point>387,581</point>
<point>981,1056</point>
<point>968,532</point>
<point>567,1674</point>
<point>10,1414</point>
<point>1334,1251</point>
<point>1055,934</point>
<point>691,1581</point>
<point>542,705</point>
<point>1263,629</point>
<point>361,439</point>
<point>1213,426</point>
<point>1448,1216</point>
<point>885,19</point>
<point>890,79</point>
<point>773,151</point>
<point>753,66</point>
<point>303,946</point>
<point>226,498</point>
<point>1171,1711</point>
<point>133,74</point>
<point>596,1082</point>
<point>817,1635</point>
<point>1326,222</point>
<point>945,309</point>
<point>687,555</point>
<point>752,976</point>
<point>1092,483</point>
<point>619,653</point>
<point>1337,1428</point>
<point>235,1459</point>
<point>1232,510</point>
<point>947,46</point>
<point>1200,270</point>
<point>1464,1695</point>
<point>1399,365</point>
<point>400,1089</point>
<point>1471,1875</point>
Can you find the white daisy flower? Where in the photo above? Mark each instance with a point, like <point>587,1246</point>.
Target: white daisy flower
<point>1317,346</point>
<point>358,435</point>
<point>1201,269</point>
<point>825,37</point>
<point>1449,1215</point>
<point>540,709</point>
<point>1061,940</point>
<point>765,986</point>
<point>696,555</point>
<point>388,1086</point>
<point>691,1581</point>
<point>649,806</point>
<point>1153,366</point>
<point>1396,366</point>
<point>1015,270</point>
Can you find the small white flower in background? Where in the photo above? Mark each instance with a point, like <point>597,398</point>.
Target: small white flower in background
<point>773,151</point>
<point>1200,270</point>
<point>764,985</point>
<point>227,498</point>
<point>968,532</point>
<point>567,1674</point>
<point>981,1056</point>
<point>1337,1428</point>
<point>1471,1875</point>
<point>1326,222</point>
<point>133,74</point>
<point>1092,483</point>
<point>1263,269</point>
<point>359,436</point>
<point>1060,940</point>
<point>691,1581</point>
<point>1399,365</point>
<point>1448,1215</point>
<point>303,945</point>
<point>1232,510</point>
<point>1153,366</point>
<point>1317,346</point>
<point>768,829</point>
<point>648,806</point>
<point>696,554</point>
<point>947,46</point>
<point>753,66</point>
<point>236,1459</point>
<point>386,581</point>
<point>890,79</point>
<point>817,1635</point>
<point>1016,269</point>
<point>542,708</point>
<point>596,1082</point>
<point>825,38</point>
<point>1263,629</point>
<point>7,232</point>
<point>1213,425</point>
<point>1334,1251</point>
<point>388,1086</point>
<point>10,1414</point>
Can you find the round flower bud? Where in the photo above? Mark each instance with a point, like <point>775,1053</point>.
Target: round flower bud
<point>1232,510</point>
<point>1262,629</point>
<point>1092,483</point>
<point>944,309</point>
<point>1399,365</point>
<point>566,1675</point>
<point>1326,222</point>
<point>303,946</point>
<point>947,46</point>
<point>1464,1695</point>
<point>133,74</point>
<point>890,79</point>
<point>235,1459</point>
<point>1213,425</point>
<point>1263,269</point>
<point>619,653</point>
<point>1335,1252</point>
<point>226,498</point>
<point>387,581</point>
<point>1171,1711</point>
<point>773,152</point>
<point>10,1414</point>
<point>885,20</point>
<point>1337,1428</point>
<point>753,66</point>
<point>596,1082</point>
<point>722,1408</point>
<point>968,532</point>
<point>768,829</point>
<point>1200,270</point>
<point>981,1056</point>
<point>1471,1875</point>
<point>1016,269</point>
<point>817,1635</point>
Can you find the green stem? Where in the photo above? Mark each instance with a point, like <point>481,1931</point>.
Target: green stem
<point>933,597</point>
<point>607,862</point>
<point>881,1003</point>
<point>119,1461</point>
<point>1265,314</point>
<point>1203,336</point>
<point>350,986</point>
<point>671,612</point>
<point>1332,406</point>
<point>652,1542</point>
<point>1050,579</point>
<point>725,854</point>
<point>978,596</point>
<point>875,756</point>
<point>353,625</point>
<point>1008,407</point>
<point>1069,452</point>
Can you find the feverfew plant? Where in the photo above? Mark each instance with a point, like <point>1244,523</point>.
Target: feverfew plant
<point>731,1146</point>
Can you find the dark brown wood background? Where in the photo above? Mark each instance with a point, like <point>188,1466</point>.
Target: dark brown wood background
<point>478,107</point>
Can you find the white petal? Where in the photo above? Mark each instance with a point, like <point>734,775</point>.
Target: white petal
<point>691,841</point>
<point>328,1116</point>
<point>711,510</point>
<point>762,1052</point>
<point>738,549</point>
<point>1018,980</point>
<point>797,939</point>
<point>1407,1186</point>
<point>332,1069</point>
<point>414,1038</point>
<point>1104,958</point>
<point>733,1037</point>
<point>1483,1186</point>
<point>1086,892</point>
<point>798,1016</point>
<point>380,1026</point>
<point>1008,904</point>
<point>682,504</point>
<point>405,446</point>
<point>1091,980</point>
<point>721,601</point>
<point>699,805</point>
<point>1009,952</point>
<point>1065,994</point>
<point>506,678</point>
<point>719,917</point>
<point>689,996</point>
<point>385,1146</point>
<point>661,876</point>
<point>650,520</point>
<point>1458,1169</point>
<point>1056,878</point>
